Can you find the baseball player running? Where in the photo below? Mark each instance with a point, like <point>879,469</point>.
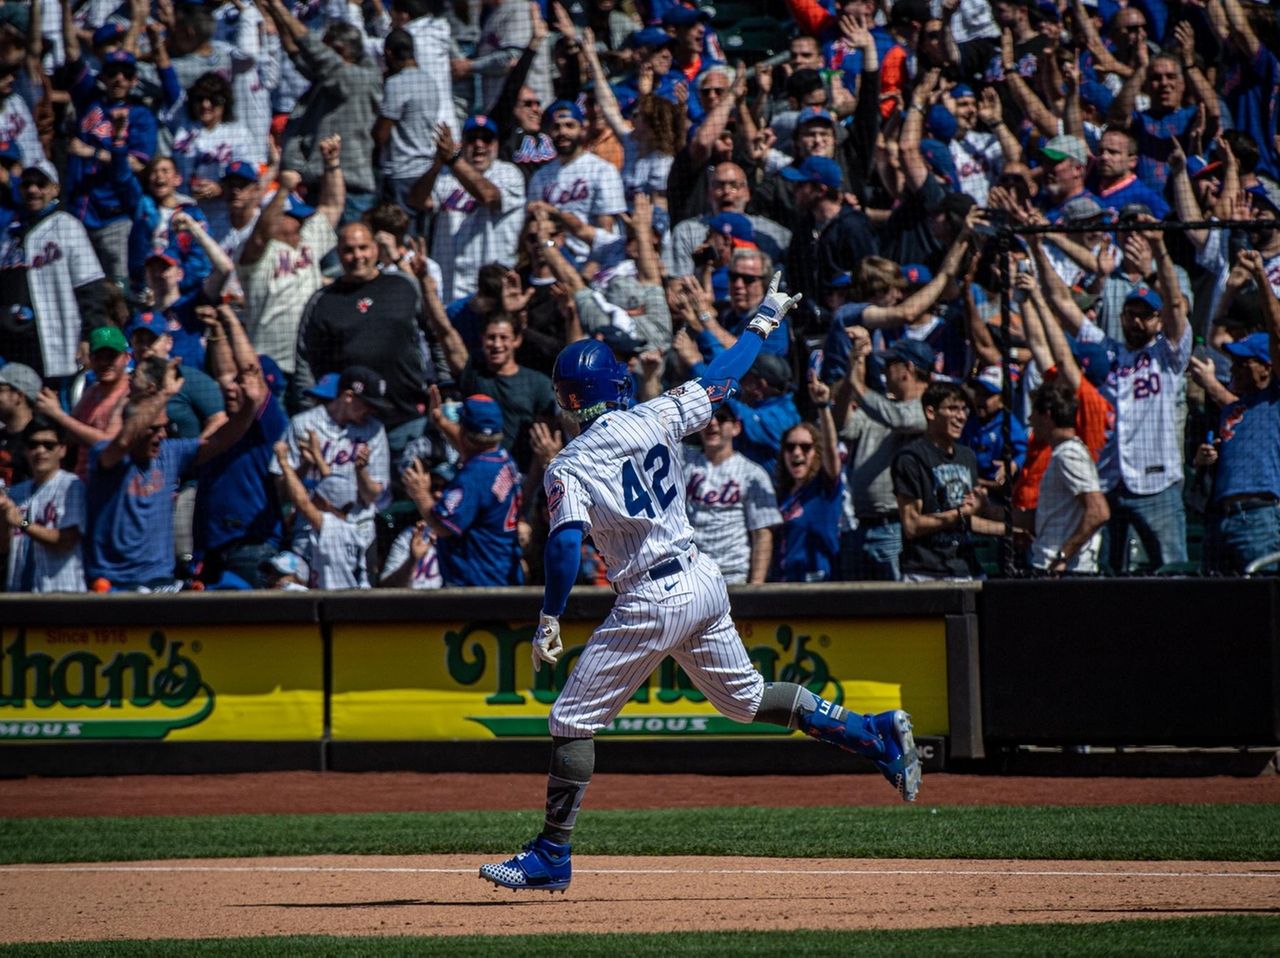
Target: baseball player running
<point>620,480</point>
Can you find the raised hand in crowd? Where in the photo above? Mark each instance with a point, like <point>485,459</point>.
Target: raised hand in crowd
<point>545,442</point>
<point>686,348</point>
<point>289,180</point>
<point>644,77</point>
<point>331,149</point>
<point>420,544</point>
<point>515,298</point>
<point>416,481</point>
<point>448,428</point>
<point>1108,258</point>
<point>561,21</point>
<point>652,362</point>
<point>990,109</point>
<point>446,147</point>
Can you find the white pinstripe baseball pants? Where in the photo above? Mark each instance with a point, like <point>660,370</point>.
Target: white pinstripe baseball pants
<point>685,616</point>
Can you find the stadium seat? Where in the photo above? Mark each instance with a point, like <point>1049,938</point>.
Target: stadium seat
<point>754,39</point>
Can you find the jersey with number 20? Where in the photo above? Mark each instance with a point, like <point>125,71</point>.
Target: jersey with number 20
<point>623,479</point>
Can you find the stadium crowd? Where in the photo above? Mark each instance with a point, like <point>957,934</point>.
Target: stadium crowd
<point>282,283</point>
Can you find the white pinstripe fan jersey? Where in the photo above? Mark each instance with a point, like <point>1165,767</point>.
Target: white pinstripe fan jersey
<point>587,187</point>
<point>726,503</point>
<point>623,478</point>
<point>58,504</point>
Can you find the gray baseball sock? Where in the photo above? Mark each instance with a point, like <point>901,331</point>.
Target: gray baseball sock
<point>572,762</point>
<point>784,702</point>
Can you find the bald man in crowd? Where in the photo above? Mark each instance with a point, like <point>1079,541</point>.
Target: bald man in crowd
<point>367,318</point>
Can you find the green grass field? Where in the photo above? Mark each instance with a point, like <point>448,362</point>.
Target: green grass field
<point>1130,832</point>
<point>1229,936</point>
<point>1120,833</point>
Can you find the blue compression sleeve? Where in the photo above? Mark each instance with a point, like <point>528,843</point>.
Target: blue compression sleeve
<point>561,560</point>
<point>722,375</point>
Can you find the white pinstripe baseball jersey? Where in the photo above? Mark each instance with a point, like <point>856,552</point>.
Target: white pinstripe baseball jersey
<point>17,126</point>
<point>58,504</point>
<point>425,573</point>
<point>624,480</point>
<point>725,502</point>
<point>278,285</point>
<point>339,445</point>
<point>587,187</point>
<point>59,259</point>
<point>1145,449</point>
<point>468,235</point>
<point>336,552</point>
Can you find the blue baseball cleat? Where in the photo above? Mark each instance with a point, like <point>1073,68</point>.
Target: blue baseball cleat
<point>901,762</point>
<point>543,865</point>
<point>884,739</point>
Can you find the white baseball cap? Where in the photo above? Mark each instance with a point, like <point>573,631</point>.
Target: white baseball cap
<point>45,167</point>
<point>991,378</point>
<point>288,563</point>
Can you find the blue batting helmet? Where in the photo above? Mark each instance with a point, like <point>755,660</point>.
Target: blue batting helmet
<point>586,376</point>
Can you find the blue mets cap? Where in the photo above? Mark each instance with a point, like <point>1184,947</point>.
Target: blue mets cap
<point>481,416</point>
<point>991,378</point>
<point>733,225</point>
<point>941,122</point>
<point>815,114</point>
<point>480,121</point>
<point>681,16</point>
<point>1144,293</point>
<point>815,169</point>
<point>915,352</point>
<point>562,106</point>
<point>9,152</point>
<point>292,207</point>
<point>240,170</point>
<point>119,60</point>
<point>938,156</point>
<point>961,90</point>
<point>1097,95</point>
<point>1254,346</point>
<point>273,374</point>
<point>650,37</point>
<point>917,274</point>
<point>109,33</point>
<point>326,388</point>
<point>149,320</point>
<point>1093,359</point>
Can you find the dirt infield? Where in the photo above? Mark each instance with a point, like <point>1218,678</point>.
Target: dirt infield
<point>314,792</point>
<point>441,895</point>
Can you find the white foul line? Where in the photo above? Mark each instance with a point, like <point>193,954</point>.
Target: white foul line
<point>998,872</point>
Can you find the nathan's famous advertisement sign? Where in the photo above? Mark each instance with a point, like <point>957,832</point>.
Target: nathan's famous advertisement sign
<point>181,683</point>
<point>475,680</point>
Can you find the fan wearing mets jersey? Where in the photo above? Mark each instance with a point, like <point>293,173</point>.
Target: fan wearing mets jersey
<point>475,517</point>
<point>620,479</point>
<point>577,181</point>
<point>731,503</point>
